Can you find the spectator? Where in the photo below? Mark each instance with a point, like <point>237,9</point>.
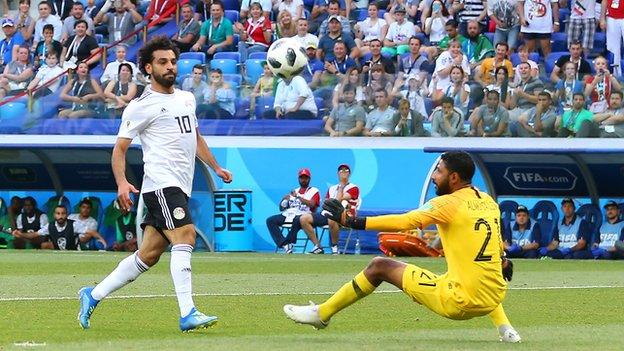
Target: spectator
<point>285,27</point>
<point>354,78</point>
<point>582,66</point>
<point>16,74</point>
<point>90,9</point>
<point>45,17</point>
<point>313,69</point>
<point>265,86</point>
<point>502,86</point>
<point>77,13</point>
<point>414,63</point>
<point>434,25</point>
<point>255,34</point>
<point>453,57</point>
<point>611,22</point>
<point>119,92</point>
<point>408,121</point>
<point>112,68</point>
<point>477,46</point>
<point>611,231</point>
<point>343,191</point>
<point>80,48</point>
<point>582,20</point>
<point>47,44</point>
<point>538,21</point>
<point>485,74</point>
<point>162,10</point>
<point>298,202</point>
<point>84,225</point>
<point>14,210</point>
<point>537,121</point>
<point>458,89</point>
<point>294,99</point>
<point>336,69</point>
<point>11,42</point>
<point>521,237</point>
<point>525,94</point>
<point>599,88</point>
<point>327,42</point>
<point>372,28</point>
<point>470,11</point>
<point>85,94</point>
<point>121,22</point>
<point>202,10</point>
<point>504,13</point>
<point>30,220</point>
<point>46,73</point>
<point>490,119</point>
<point>397,40</point>
<point>570,124</point>
<point>305,38</point>
<point>318,14</point>
<point>265,4</point>
<point>571,237</point>
<point>196,84</point>
<point>351,5</point>
<point>217,33</point>
<point>23,22</point>
<point>333,11</point>
<point>295,7</point>
<point>218,97</point>
<point>348,118</point>
<point>377,79</point>
<point>523,54</point>
<point>414,92</point>
<point>451,34</point>
<point>446,121</point>
<point>568,86</point>
<point>188,29</point>
<point>377,59</point>
<point>380,121</point>
<point>61,8</point>
<point>610,123</point>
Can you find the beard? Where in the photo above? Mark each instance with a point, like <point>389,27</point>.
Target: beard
<point>442,188</point>
<point>166,81</point>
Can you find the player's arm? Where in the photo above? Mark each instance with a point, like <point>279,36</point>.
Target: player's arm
<point>536,238</point>
<point>118,161</point>
<point>204,154</point>
<point>585,232</point>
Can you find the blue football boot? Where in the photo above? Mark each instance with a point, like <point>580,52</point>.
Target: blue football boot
<point>196,320</point>
<point>87,305</point>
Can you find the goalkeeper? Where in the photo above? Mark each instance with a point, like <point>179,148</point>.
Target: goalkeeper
<point>469,227</point>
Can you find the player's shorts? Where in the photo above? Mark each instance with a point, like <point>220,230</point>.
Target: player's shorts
<point>531,36</point>
<point>167,209</point>
<point>438,293</point>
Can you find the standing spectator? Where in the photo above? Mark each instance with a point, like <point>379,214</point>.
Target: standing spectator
<point>477,46</point>
<point>502,86</point>
<point>121,22</point>
<point>572,235</point>
<point>333,10</point>
<point>245,5</point>
<point>446,121</point>
<point>30,220</point>
<point>218,97</point>
<point>85,94</point>
<point>23,22</point>
<point>485,73</point>
<point>608,124</point>
<point>504,13</point>
<point>217,33</point>
<point>538,21</point>
<point>255,34</point>
<point>380,121</point>
<point>408,121</point>
<point>196,85</point>
<point>298,202</point>
<point>582,21</point>
<point>16,74</point>
<point>583,68</point>
<point>567,87</point>
<point>285,26</point>
<point>47,44</point>
<point>188,29</point>
<point>202,10</point>
<point>80,48</point>
<point>490,119</point>
<point>399,32</point>
<point>84,225</point>
<point>45,17</point>
<point>11,42</point>
<point>525,94</point>
<point>335,34</point>
<point>611,231</point>
<point>61,8</point>
<point>348,118</point>
<point>294,99</point>
<point>120,91</point>
<point>470,10</point>
<point>295,7</point>
<point>51,70</point>
<point>458,89</point>
<point>372,28</point>
<point>570,123</point>
<point>163,10</point>
<point>354,78</point>
<point>434,25</point>
<point>305,38</point>
<point>538,121</point>
<point>522,237</point>
<point>611,16</point>
<point>112,68</point>
<point>599,88</point>
<point>77,13</point>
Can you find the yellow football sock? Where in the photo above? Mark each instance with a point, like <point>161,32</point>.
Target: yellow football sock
<point>498,316</point>
<point>349,293</point>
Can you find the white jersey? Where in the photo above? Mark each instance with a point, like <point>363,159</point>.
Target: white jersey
<point>82,226</point>
<point>166,125</point>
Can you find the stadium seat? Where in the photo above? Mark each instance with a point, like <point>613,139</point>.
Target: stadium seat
<point>320,105</point>
<point>193,56</point>
<point>12,117</point>
<point>361,15</point>
<point>236,38</point>
<point>621,206</point>
<point>508,211</point>
<point>99,38</point>
<point>600,43</point>
<point>227,66</point>
<point>257,55</point>
<point>233,5</point>
<point>559,42</point>
<point>242,108</point>
<point>231,55</point>
<point>564,17</point>
<point>592,214</point>
<point>254,70</point>
<point>547,215</point>
<point>490,36</point>
<point>552,59</point>
<point>235,80</point>
<point>308,3</point>
<point>232,15</point>
<point>428,106</point>
<point>424,39</point>
<point>381,13</point>
<point>515,58</point>
<point>263,104</point>
<point>186,66</point>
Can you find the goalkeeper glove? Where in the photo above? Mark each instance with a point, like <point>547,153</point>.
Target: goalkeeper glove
<point>333,209</point>
<point>507,269</point>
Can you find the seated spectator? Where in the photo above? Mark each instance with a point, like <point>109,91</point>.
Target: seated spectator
<point>408,121</point>
<point>490,119</point>
<point>598,88</point>
<point>46,17</point>
<point>46,73</point>
<point>313,69</point>
<point>121,22</point>
<point>335,34</point>
<point>318,14</point>
<point>294,100</point>
<point>285,26</point>
<point>537,121</point>
<point>575,56</point>
<point>47,44</point>
<point>80,47</point>
<point>303,36</point>
<point>414,63</point>
<point>299,201</point>
<point>380,121</point>
<point>523,54</point>
<point>525,94</point>
<point>14,210</point>
<point>265,86</point>
<point>485,72</point>
<point>255,33</point>
<point>453,57</point>
<point>567,87</point>
<point>458,89</point>
<point>61,8</point>
<point>119,92</point>
<point>377,79</point>
<point>434,25</point>
<point>11,42</point>
<point>85,94</point>
<point>372,28</point>
<point>90,9</point>
<point>521,237</point>
<point>16,74</point>
<point>611,231</point>
<point>348,118</point>
<point>336,68</point>
<point>196,84</point>
<point>446,121</point>
<point>162,10</point>
<point>218,98</point>
<point>23,22</point>
<point>354,78</point>
<point>295,7</point>
<point>333,12</point>
<point>265,4</point>
<point>502,86</point>
<point>572,235</point>
<point>451,34</point>
<point>188,29</point>
<point>202,10</point>
<point>217,33</point>
<point>112,68</point>
<point>397,40</point>
<point>570,124</point>
<point>77,13</point>
<point>414,92</point>
<point>85,225</point>
<point>377,59</point>
<point>608,124</point>
<point>31,220</point>
<point>477,46</point>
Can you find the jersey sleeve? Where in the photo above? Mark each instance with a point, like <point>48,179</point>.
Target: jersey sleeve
<point>44,230</point>
<point>133,122</point>
<point>436,211</point>
<point>43,219</point>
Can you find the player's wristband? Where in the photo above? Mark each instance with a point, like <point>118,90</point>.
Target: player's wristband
<point>356,222</point>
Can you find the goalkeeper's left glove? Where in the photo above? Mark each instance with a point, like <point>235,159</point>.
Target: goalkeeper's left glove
<point>507,266</point>
<point>333,209</point>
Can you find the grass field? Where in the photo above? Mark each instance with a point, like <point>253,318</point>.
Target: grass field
<point>571,305</point>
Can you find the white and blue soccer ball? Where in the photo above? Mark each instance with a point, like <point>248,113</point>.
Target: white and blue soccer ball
<point>286,58</point>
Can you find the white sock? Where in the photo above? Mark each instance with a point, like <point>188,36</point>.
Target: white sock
<point>181,275</point>
<point>127,271</point>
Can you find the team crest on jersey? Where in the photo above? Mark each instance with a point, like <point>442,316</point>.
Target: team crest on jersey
<point>178,213</point>
<point>62,243</point>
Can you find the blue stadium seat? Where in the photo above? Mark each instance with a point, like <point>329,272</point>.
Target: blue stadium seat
<point>559,42</point>
<point>12,117</point>
<point>361,15</point>
<point>232,15</point>
<point>424,39</point>
<point>254,70</point>
<point>232,5</point>
<point>621,206</point>
<point>193,56</point>
<point>381,13</point>
<point>600,43</point>
<point>547,215</point>
<point>259,55</point>
<point>490,36</point>
<point>564,17</point>
<point>592,214</point>
<point>552,59</point>
<point>235,80</point>
<point>308,3</point>
<point>263,104</point>
<point>515,58</point>
<point>320,105</point>
<point>99,38</point>
<point>428,106</point>
<point>231,55</point>
<point>508,211</point>
<point>186,66</point>
<point>227,66</point>
<point>242,108</point>
<point>236,39</point>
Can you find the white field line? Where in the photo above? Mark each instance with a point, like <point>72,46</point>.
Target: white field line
<point>269,293</point>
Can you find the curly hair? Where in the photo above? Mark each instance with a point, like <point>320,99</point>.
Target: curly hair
<point>146,53</point>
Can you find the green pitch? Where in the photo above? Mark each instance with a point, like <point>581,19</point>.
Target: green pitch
<point>555,305</point>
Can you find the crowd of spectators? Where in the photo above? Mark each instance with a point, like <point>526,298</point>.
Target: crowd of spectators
<point>429,54</point>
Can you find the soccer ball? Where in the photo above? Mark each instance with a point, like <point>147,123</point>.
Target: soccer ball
<point>286,58</point>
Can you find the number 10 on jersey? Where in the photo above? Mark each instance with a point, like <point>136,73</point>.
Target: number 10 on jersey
<point>184,123</point>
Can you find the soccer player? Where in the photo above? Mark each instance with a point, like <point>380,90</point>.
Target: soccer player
<point>468,223</point>
<point>164,119</point>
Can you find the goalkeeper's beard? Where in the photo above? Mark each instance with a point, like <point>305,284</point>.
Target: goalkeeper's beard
<point>443,188</point>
